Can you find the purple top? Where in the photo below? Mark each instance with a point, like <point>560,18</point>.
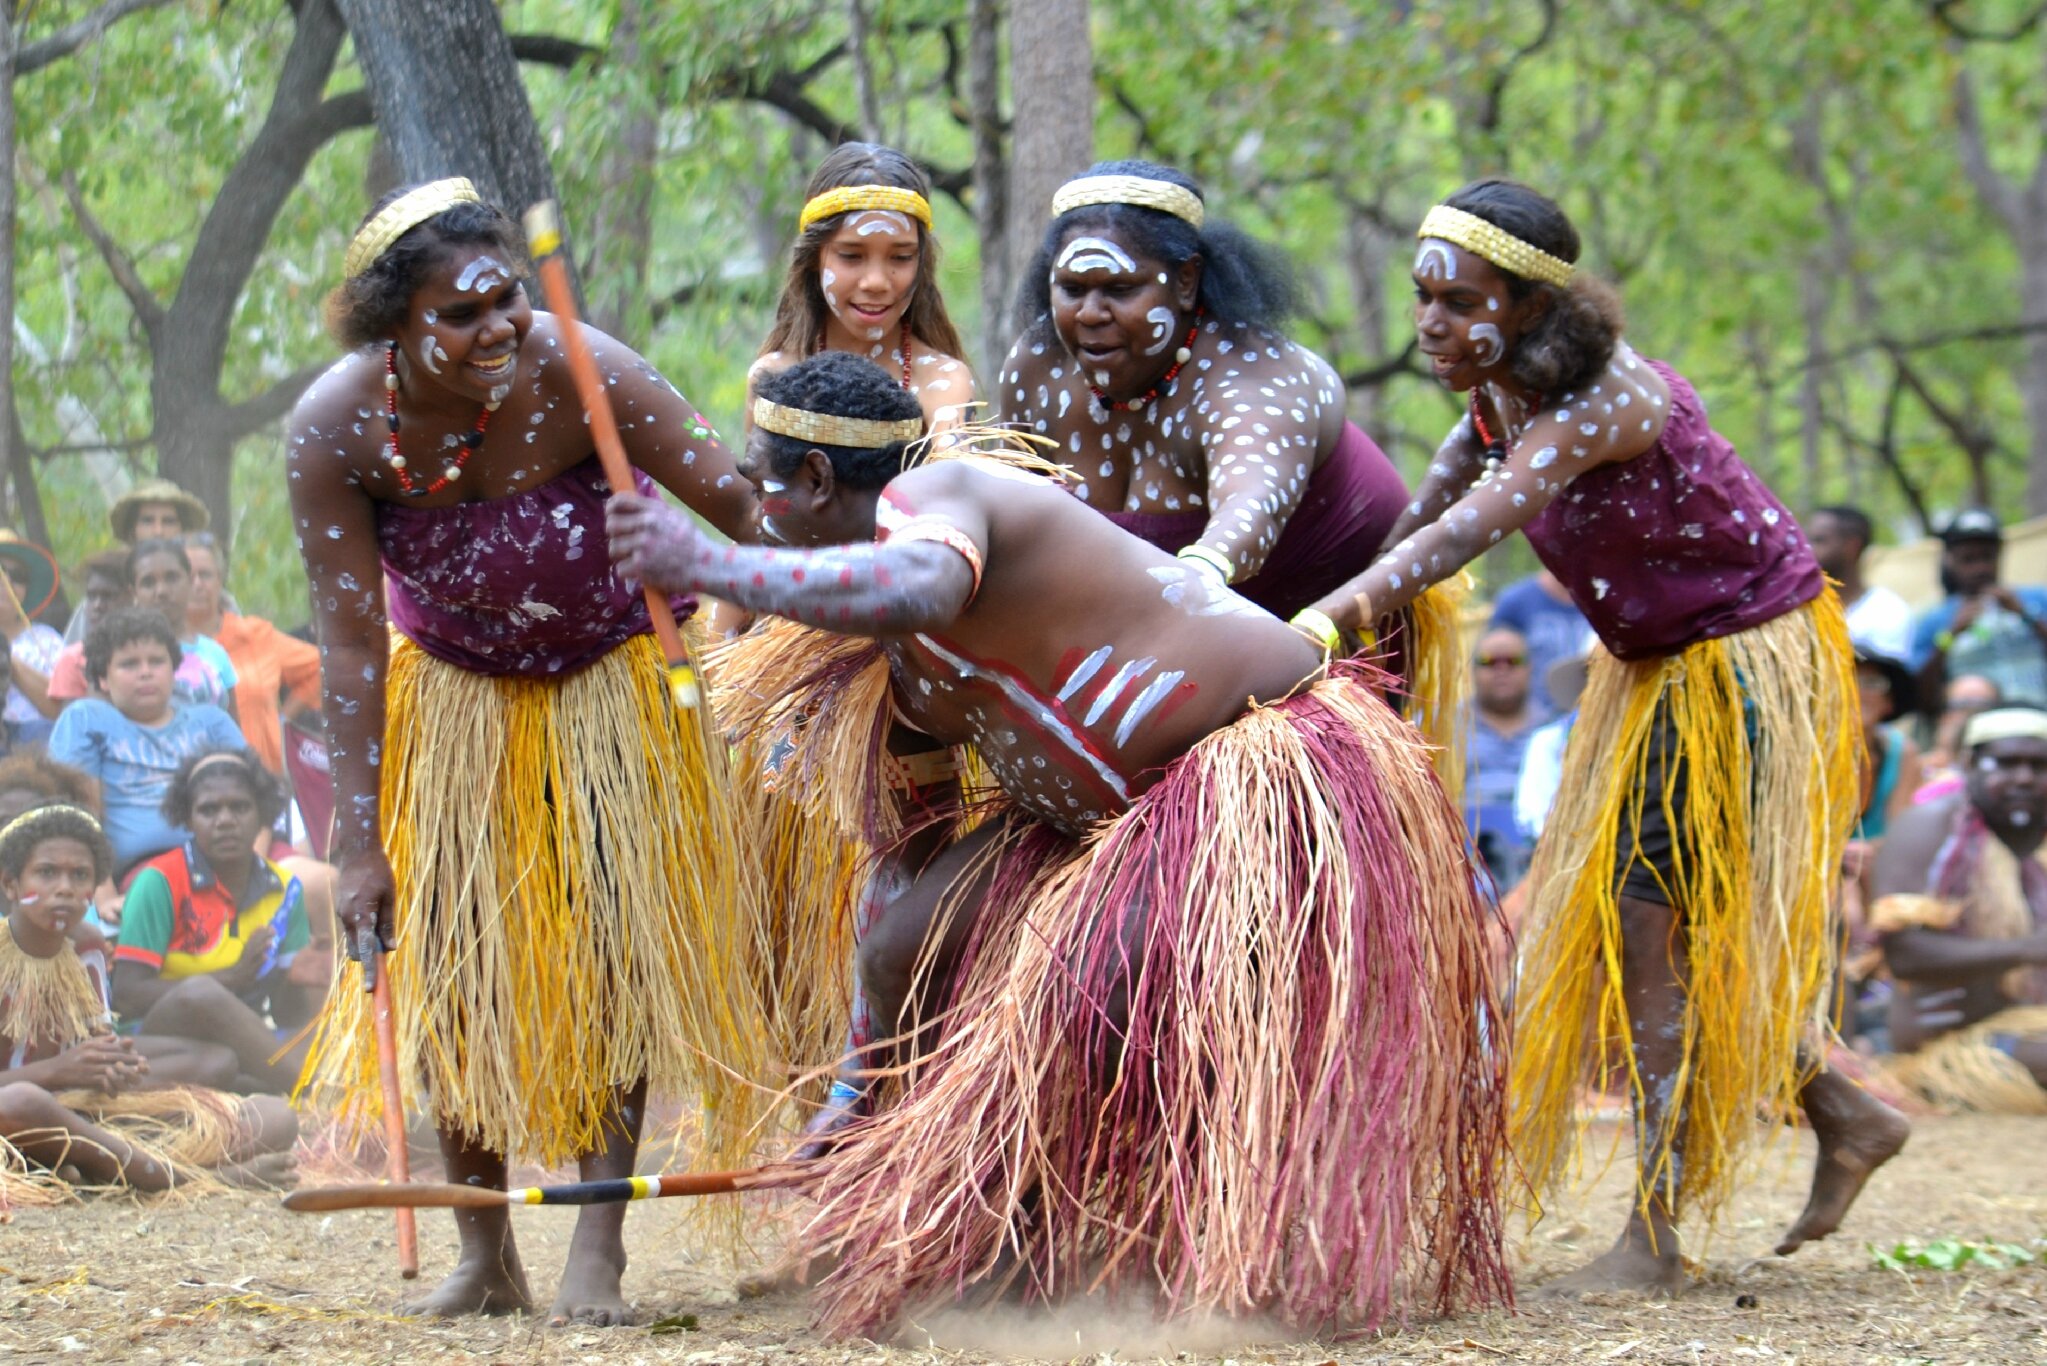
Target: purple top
<point>515,585</point>
<point>1680,544</point>
<point>1353,499</point>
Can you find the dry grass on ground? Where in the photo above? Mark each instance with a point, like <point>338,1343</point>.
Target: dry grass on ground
<point>235,1279</point>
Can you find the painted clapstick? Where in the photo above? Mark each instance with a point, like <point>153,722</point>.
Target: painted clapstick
<point>544,241</point>
<point>398,1162</point>
<point>322,1199</point>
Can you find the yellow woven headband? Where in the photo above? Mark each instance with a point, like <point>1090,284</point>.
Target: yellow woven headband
<point>401,216</point>
<point>1495,244</point>
<point>847,198</point>
<point>1162,195</point>
<point>829,429</point>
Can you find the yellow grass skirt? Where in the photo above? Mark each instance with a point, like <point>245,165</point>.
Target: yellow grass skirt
<point>1965,1071</point>
<point>1766,727</point>
<point>188,1129</point>
<point>572,914</point>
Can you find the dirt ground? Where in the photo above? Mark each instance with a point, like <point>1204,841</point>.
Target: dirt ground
<point>233,1278</point>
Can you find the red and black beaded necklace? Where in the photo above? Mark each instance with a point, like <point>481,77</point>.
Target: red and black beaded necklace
<point>466,445</point>
<point>1149,396</point>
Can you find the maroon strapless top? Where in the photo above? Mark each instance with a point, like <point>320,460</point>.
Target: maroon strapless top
<point>1681,544</point>
<point>522,584</point>
<point>1352,501</point>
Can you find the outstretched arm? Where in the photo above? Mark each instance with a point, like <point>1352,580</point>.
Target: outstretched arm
<point>1261,432</point>
<point>1459,461</point>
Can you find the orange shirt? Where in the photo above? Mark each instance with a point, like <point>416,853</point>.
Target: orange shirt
<point>269,664</point>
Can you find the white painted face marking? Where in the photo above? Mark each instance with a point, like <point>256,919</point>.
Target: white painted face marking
<point>428,345</point>
<point>1161,320</point>
<point>1491,345</point>
<point>881,220</point>
<point>1433,261</point>
<point>483,274</point>
<point>1096,253</point>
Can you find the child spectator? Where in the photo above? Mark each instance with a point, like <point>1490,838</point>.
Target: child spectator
<point>34,779</point>
<point>160,577</point>
<point>132,740</point>
<point>211,931</point>
<point>54,1038</point>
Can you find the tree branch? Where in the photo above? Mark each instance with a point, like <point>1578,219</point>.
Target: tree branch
<point>1943,12</point>
<point>545,49</point>
<point>1496,90</point>
<point>237,420</point>
<point>149,310</point>
<point>1378,373</point>
<point>67,40</point>
<point>1999,194</point>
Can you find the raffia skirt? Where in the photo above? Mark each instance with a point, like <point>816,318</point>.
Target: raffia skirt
<point>573,914</point>
<point>1744,752</point>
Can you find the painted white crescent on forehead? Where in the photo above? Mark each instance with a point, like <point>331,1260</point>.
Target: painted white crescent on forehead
<point>1433,261</point>
<point>882,220</point>
<point>482,274</point>
<point>1096,253</point>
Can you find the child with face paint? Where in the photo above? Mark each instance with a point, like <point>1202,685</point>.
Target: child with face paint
<point>1713,770</point>
<point>1199,848</point>
<point>72,1094</point>
<point>863,278</point>
<point>535,833</point>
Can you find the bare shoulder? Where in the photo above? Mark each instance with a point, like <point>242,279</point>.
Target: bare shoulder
<point>767,363</point>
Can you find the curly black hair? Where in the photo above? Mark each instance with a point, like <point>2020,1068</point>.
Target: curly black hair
<point>1242,280</point>
<point>125,626</point>
<point>1574,338</point>
<point>158,545</point>
<point>843,385</point>
<point>222,761</point>
<point>54,821</point>
<point>369,307</point>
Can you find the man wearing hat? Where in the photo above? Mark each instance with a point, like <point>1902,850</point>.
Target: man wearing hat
<point>1983,626</point>
<point>155,509</point>
<point>31,646</point>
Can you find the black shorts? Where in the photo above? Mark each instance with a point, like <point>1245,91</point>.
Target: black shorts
<point>1646,847</point>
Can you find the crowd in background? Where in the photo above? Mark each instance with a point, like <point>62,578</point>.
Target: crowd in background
<point>192,731</point>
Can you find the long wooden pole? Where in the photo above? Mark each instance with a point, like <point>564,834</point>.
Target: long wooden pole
<point>397,1161</point>
<point>544,241</point>
<point>426,1195</point>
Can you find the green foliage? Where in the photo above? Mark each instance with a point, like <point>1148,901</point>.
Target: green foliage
<point>1952,1254</point>
<point>1776,187</point>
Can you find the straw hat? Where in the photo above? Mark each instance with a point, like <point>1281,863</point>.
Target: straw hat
<point>192,514</point>
<point>42,570</point>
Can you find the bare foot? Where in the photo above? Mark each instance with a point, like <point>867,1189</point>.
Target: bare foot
<point>589,1294</point>
<point>1857,1134</point>
<point>477,1285</point>
<point>264,1172</point>
<point>1629,1265</point>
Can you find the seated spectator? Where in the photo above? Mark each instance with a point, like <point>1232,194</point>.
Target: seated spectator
<point>126,1128</point>
<point>153,510</point>
<point>1892,775</point>
<point>32,647</point>
<point>270,666</point>
<point>211,931</point>
<point>132,739</point>
<point>1542,765</point>
<point>1878,620</point>
<point>1502,720</point>
<point>160,577</point>
<point>105,575</point>
<point>1961,904</point>
<point>1983,626</point>
<point>1941,769</point>
<point>1539,608</point>
<point>34,779</point>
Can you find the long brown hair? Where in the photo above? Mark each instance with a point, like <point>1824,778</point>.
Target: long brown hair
<point>800,314</point>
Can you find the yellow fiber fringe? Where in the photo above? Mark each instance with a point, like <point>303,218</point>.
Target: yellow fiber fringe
<point>1964,1071</point>
<point>571,912</point>
<point>1771,796</point>
<point>46,1000</point>
<point>1439,675</point>
<point>189,1129</point>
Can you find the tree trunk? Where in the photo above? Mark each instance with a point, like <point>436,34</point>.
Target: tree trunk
<point>1052,91</point>
<point>621,229</point>
<point>11,450</point>
<point>2033,372</point>
<point>991,179</point>
<point>448,97</point>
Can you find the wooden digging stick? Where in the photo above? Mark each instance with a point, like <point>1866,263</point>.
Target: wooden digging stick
<point>397,1162</point>
<point>544,241</point>
<point>405,1198</point>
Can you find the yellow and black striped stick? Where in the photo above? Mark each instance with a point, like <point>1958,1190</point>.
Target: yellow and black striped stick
<point>544,241</point>
<point>323,1199</point>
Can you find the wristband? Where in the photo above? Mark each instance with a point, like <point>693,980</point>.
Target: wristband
<point>1202,557</point>
<point>1318,627</point>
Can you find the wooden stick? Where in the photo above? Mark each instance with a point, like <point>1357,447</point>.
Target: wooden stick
<point>323,1199</point>
<point>397,1161</point>
<point>544,241</point>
